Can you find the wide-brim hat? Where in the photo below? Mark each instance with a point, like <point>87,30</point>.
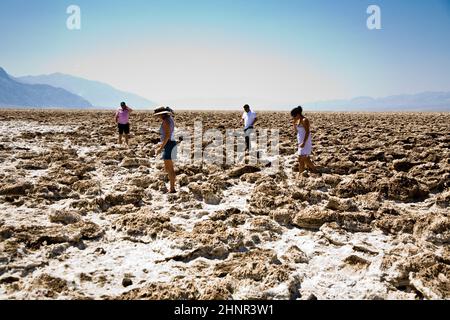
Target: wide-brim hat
<point>161,110</point>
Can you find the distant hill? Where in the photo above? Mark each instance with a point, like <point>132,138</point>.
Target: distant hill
<point>426,101</point>
<point>97,93</point>
<point>17,94</point>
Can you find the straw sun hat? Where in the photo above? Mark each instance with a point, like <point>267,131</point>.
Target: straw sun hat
<point>163,110</point>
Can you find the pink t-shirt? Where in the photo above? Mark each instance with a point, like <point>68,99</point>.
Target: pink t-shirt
<point>123,116</point>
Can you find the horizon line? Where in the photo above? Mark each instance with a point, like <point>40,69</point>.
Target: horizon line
<point>145,110</point>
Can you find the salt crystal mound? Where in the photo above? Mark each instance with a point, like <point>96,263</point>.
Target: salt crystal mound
<point>82,218</point>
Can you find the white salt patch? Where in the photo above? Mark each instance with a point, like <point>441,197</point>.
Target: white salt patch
<point>326,274</point>
<point>234,197</point>
<point>18,127</point>
<point>122,258</point>
<point>18,216</point>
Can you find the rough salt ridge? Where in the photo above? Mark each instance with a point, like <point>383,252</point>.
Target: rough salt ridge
<point>83,218</point>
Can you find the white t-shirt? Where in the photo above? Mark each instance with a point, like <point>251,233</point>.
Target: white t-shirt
<point>249,119</point>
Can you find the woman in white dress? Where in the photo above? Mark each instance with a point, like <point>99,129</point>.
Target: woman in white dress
<point>304,139</point>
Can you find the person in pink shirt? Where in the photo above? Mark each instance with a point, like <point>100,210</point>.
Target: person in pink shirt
<point>123,121</point>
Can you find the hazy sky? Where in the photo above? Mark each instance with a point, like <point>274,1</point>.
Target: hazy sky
<point>226,52</point>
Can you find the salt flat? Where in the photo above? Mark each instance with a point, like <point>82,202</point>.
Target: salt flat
<point>83,218</point>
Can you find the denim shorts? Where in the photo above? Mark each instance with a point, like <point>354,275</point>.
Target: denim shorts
<point>170,151</point>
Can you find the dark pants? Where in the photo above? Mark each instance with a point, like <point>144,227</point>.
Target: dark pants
<point>124,128</point>
<point>247,132</point>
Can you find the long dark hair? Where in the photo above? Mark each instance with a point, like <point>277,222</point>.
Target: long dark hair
<point>297,111</point>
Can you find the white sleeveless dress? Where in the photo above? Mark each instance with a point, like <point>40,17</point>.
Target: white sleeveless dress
<point>307,149</point>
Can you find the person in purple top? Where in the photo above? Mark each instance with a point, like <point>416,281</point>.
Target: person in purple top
<point>123,121</point>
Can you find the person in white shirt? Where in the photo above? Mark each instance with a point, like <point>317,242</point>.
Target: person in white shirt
<point>250,119</point>
<point>302,128</point>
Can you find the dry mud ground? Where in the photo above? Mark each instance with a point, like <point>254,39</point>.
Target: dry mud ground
<point>82,218</point>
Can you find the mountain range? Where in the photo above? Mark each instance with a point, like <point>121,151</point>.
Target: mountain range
<point>17,94</point>
<point>99,94</point>
<point>425,101</point>
<point>59,90</point>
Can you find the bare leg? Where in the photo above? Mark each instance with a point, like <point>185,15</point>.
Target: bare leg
<point>301,166</point>
<point>168,164</point>
<point>120,139</point>
<point>126,138</point>
<point>310,165</point>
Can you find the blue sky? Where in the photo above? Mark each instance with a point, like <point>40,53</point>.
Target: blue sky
<point>222,52</point>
